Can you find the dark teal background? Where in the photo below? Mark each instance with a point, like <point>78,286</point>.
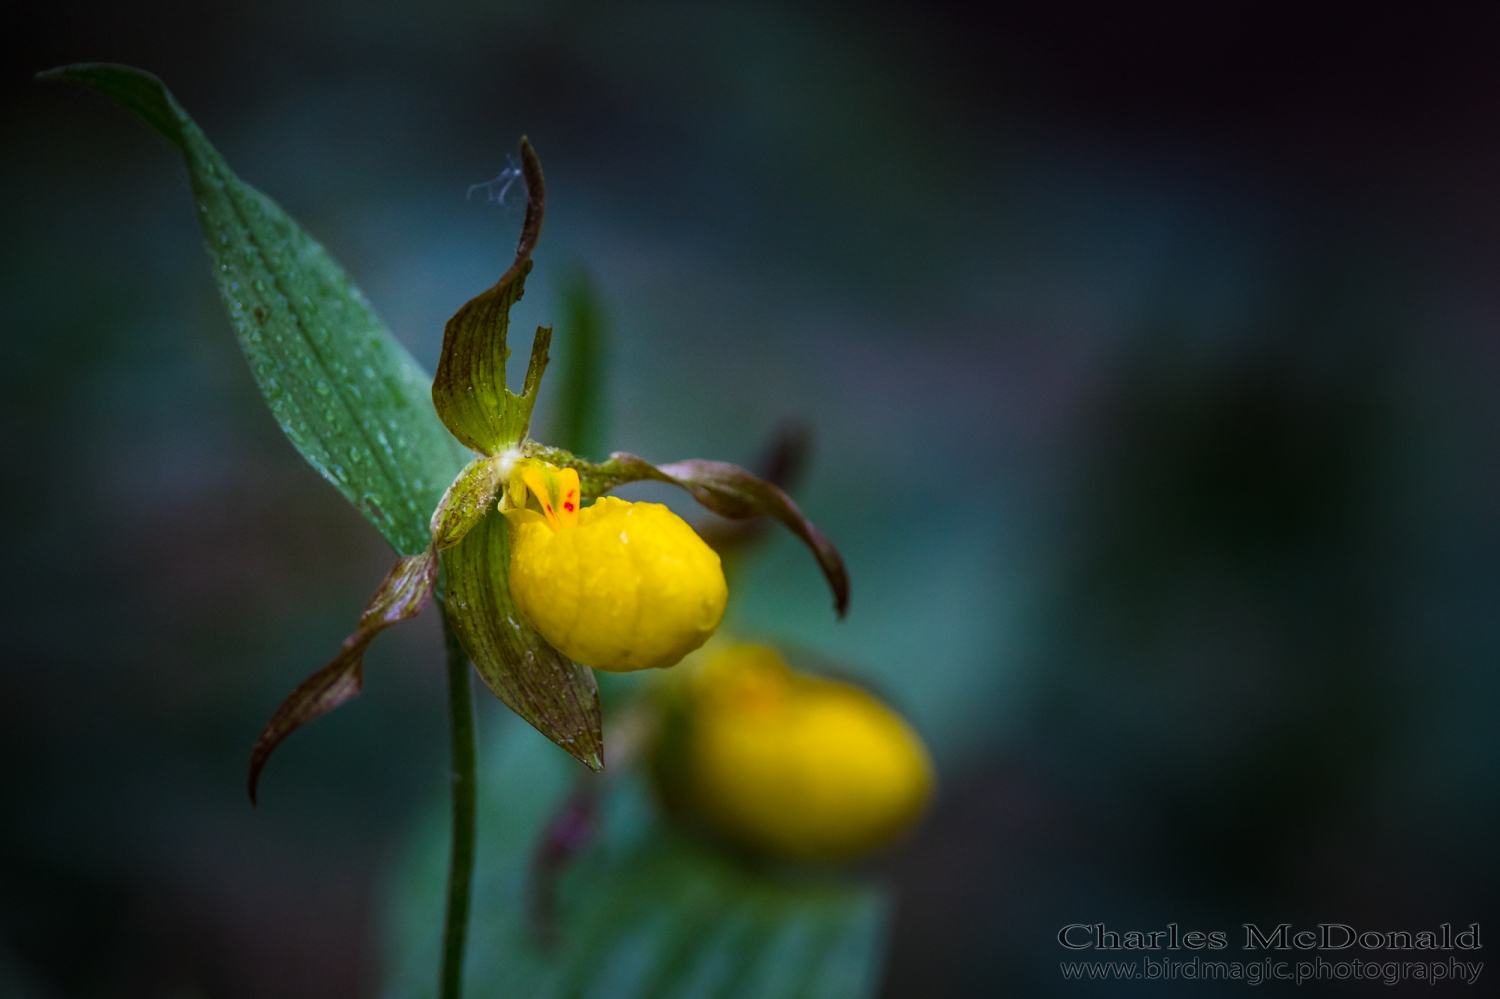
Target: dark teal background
<point>1152,356</point>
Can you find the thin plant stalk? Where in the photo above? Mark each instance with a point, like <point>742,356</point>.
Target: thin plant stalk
<point>465,792</point>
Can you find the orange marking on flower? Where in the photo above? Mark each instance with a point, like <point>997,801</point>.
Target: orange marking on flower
<point>536,480</point>
<point>557,492</point>
<point>567,483</point>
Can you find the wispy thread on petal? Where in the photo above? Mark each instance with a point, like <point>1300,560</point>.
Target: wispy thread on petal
<point>402,595</point>
<point>469,389</point>
<point>498,187</point>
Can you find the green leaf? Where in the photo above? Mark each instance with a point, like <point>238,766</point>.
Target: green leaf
<point>342,388</point>
<point>401,595</point>
<point>537,682</point>
<point>581,416</point>
<point>726,489</point>
<point>469,389</point>
<point>648,912</point>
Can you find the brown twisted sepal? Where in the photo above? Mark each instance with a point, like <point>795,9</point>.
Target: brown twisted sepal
<point>726,489</point>
<point>402,595</point>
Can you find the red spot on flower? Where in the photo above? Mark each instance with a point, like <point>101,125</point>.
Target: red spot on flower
<point>568,506</point>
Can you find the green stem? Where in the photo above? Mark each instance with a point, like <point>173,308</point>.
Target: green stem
<point>465,787</point>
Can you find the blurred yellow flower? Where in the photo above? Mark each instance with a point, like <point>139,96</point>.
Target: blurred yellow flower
<point>618,586</point>
<point>793,765</point>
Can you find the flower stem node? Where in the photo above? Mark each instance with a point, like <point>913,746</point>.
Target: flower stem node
<point>795,766</point>
<point>618,586</point>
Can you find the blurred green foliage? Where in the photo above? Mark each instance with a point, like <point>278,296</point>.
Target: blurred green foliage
<point>648,912</point>
<point>581,424</point>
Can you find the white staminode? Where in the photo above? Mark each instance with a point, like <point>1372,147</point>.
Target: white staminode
<point>505,463</point>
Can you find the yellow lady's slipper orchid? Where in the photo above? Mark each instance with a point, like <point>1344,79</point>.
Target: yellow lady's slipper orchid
<point>796,766</point>
<point>618,586</point>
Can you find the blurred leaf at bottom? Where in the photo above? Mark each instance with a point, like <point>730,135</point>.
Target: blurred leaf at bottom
<point>649,911</point>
